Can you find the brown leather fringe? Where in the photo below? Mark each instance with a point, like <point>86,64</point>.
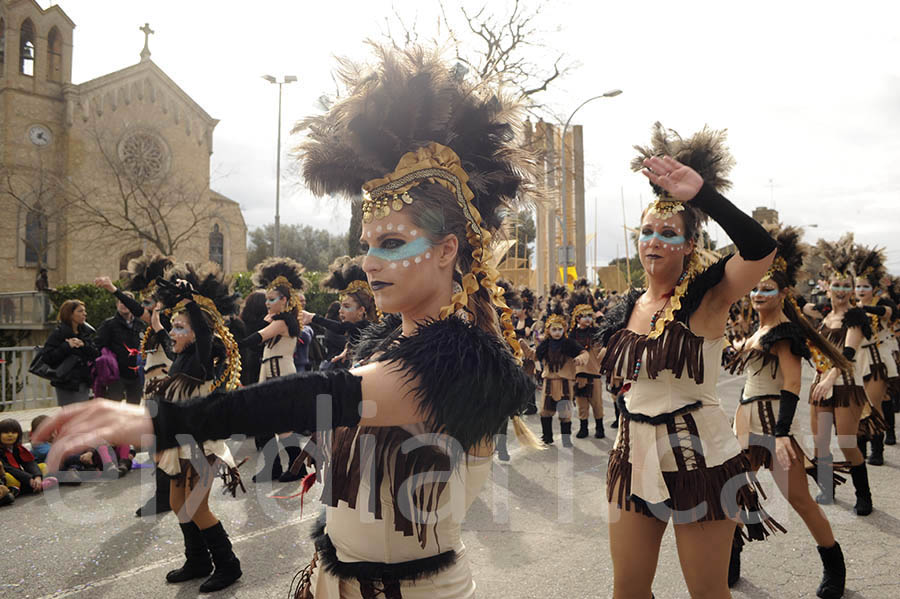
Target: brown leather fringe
<point>739,363</point>
<point>342,482</point>
<point>677,349</point>
<point>872,425</point>
<point>842,396</point>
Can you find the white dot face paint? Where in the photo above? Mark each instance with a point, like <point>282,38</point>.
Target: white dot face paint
<point>393,265</point>
<point>401,226</point>
<point>406,264</point>
<point>418,259</point>
<point>378,229</point>
<point>413,232</point>
<point>428,255</point>
<point>369,235</point>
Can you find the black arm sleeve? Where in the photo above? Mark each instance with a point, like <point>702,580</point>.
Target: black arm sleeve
<point>332,325</point>
<point>786,408</point>
<point>203,336</point>
<point>132,304</point>
<point>293,401</point>
<point>750,238</point>
<point>251,340</point>
<point>849,352</point>
<point>876,310</point>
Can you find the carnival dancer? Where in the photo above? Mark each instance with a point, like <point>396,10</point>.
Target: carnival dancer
<point>868,265</point>
<point>891,285</point>
<point>675,455</point>
<point>348,280</point>
<point>524,325</point>
<point>283,282</point>
<point>771,359</point>
<point>837,396</point>
<point>207,359</point>
<point>588,386</point>
<point>513,301</point>
<point>403,133</point>
<point>559,356</point>
<point>155,351</point>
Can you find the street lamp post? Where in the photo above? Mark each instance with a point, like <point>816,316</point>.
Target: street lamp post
<point>276,249</point>
<point>610,94</point>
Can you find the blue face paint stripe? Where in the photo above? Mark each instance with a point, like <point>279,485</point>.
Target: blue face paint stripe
<point>766,293</point>
<point>404,252</point>
<point>677,240</point>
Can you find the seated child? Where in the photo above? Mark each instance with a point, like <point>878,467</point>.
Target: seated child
<point>7,494</point>
<point>19,462</point>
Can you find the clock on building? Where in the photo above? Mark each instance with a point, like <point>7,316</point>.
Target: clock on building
<point>39,135</point>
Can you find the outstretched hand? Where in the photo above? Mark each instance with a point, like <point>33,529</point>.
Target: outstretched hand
<point>680,181</point>
<point>89,424</point>
<point>105,283</point>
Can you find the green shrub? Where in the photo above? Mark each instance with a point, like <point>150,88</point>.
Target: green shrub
<point>99,303</point>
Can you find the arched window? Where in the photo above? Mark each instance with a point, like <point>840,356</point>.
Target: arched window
<point>36,236</point>
<point>26,48</point>
<point>2,45</point>
<point>217,246</point>
<point>54,44</point>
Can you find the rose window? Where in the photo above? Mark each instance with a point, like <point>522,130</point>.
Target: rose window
<point>144,155</point>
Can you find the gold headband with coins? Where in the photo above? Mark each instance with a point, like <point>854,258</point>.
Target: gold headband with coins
<point>294,299</point>
<point>778,265</point>
<point>579,311</point>
<point>438,164</point>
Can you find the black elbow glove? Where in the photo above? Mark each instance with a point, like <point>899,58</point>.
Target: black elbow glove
<point>876,310</point>
<point>786,408</point>
<point>750,238</point>
<point>849,352</point>
<point>251,340</point>
<point>132,304</point>
<point>297,402</point>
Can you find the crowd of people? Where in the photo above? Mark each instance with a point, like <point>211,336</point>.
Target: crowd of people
<point>432,356</point>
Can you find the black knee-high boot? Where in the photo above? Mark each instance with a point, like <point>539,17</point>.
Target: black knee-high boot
<point>822,472</point>
<point>860,476</point>
<point>501,449</point>
<point>734,563</point>
<point>877,456</point>
<point>615,423</point>
<point>293,471</point>
<point>834,573</point>
<point>228,566</point>
<point>565,431</point>
<point>890,436</point>
<point>862,444</point>
<point>198,563</point>
<point>271,468</point>
<point>159,503</point>
<point>599,424</point>
<point>547,429</point>
<point>583,429</point>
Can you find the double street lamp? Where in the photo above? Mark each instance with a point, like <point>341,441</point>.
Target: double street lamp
<point>276,250</point>
<point>610,94</point>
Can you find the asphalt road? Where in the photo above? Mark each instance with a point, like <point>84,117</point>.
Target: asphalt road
<point>538,529</point>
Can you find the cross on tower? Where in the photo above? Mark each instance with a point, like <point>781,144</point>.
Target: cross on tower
<point>145,53</point>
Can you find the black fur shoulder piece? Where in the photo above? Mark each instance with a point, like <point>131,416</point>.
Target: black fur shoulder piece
<point>375,337</point>
<point>787,331</point>
<point>702,283</point>
<point>467,381</point>
<point>616,318</point>
<point>857,317</point>
<point>290,319</point>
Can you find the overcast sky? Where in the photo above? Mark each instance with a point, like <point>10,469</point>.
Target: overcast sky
<point>809,92</point>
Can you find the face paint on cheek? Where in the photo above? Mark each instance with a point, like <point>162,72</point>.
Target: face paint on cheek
<point>764,293</point>
<point>403,253</point>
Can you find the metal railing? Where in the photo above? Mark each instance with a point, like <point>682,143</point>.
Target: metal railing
<point>25,310</point>
<point>19,389</point>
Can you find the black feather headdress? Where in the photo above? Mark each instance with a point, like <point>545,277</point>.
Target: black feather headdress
<point>348,278</point>
<point>269,270</point>
<point>528,298</point>
<point>510,296</point>
<point>142,272</point>
<point>838,255</point>
<point>868,262</point>
<point>206,280</point>
<point>408,99</point>
<point>788,257</point>
<point>705,152</point>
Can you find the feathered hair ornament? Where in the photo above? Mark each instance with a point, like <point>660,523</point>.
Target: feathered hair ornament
<point>838,255</point>
<point>581,303</point>
<point>705,152</point>
<point>142,272</point>
<point>510,295</point>
<point>528,298</point>
<point>555,316</point>
<point>410,128</point>
<point>347,278</point>
<point>208,288</point>
<point>788,257</point>
<point>284,275</point>
<point>868,263</point>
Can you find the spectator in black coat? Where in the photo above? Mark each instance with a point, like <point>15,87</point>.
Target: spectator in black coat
<point>70,348</point>
<point>121,334</point>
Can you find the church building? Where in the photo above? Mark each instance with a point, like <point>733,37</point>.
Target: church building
<point>96,173</point>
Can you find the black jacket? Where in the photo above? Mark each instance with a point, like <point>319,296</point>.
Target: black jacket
<point>123,340</point>
<point>56,350</point>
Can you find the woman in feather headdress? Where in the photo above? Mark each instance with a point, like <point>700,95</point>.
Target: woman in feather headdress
<point>880,369</point>
<point>665,344</point>
<point>349,281</point>
<point>772,359</point>
<point>283,282</point>
<point>837,394</point>
<point>588,388</point>
<point>523,321</point>
<point>436,161</point>
<point>207,359</point>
